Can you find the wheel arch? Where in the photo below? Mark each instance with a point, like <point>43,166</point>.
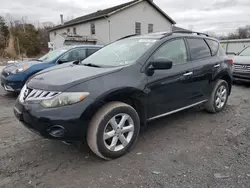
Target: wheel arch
<point>225,76</point>
<point>129,95</point>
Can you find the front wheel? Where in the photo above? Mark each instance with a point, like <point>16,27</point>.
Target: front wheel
<point>218,99</point>
<point>113,130</point>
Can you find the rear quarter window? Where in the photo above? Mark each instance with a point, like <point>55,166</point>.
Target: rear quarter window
<point>214,46</point>
<point>198,48</point>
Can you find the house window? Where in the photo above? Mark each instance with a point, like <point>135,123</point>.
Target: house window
<point>55,33</point>
<point>150,28</point>
<point>137,28</point>
<point>74,30</point>
<point>92,27</point>
<point>68,30</point>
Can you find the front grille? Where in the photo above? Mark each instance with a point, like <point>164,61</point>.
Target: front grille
<point>29,94</point>
<point>241,68</point>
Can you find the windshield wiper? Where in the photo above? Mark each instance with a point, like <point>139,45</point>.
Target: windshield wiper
<point>91,65</point>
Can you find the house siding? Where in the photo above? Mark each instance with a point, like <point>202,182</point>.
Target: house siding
<point>101,31</point>
<point>123,22</point>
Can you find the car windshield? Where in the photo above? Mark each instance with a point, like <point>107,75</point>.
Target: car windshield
<point>245,52</point>
<point>53,54</point>
<point>120,53</point>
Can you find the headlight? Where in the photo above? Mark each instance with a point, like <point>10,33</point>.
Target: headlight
<point>64,99</point>
<point>16,71</point>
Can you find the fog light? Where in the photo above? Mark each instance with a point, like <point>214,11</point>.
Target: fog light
<point>56,131</point>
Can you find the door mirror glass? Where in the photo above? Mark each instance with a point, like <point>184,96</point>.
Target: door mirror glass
<point>161,64</point>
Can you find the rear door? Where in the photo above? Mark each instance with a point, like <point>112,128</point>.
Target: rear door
<point>203,67</point>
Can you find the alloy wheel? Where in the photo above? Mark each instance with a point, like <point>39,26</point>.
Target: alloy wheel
<point>221,97</point>
<point>118,132</point>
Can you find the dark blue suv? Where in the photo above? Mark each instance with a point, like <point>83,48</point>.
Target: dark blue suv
<point>15,75</point>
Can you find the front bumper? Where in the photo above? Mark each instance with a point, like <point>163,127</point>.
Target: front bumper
<point>63,123</point>
<point>241,76</point>
<point>10,84</point>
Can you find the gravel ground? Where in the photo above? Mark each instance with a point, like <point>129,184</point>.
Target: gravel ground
<point>188,149</point>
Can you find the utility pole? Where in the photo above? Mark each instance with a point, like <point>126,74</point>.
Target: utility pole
<point>18,47</point>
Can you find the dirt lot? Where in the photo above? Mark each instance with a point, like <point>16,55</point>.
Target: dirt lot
<point>188,149</point>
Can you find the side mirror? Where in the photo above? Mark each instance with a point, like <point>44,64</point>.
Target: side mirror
<point>61,61</point>
<point>76,62</point>
<point>161,64</point>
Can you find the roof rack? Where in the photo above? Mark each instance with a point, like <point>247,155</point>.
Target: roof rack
<point>132,35</point>
<point>187,32</point>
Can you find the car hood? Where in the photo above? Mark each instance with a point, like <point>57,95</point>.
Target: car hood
<point>241,59</point>
<point>62,77</point>
<point>21,64</point>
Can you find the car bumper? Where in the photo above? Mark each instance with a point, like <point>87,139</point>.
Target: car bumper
<point>10,85</point>
<point>63,123</point>
<point>244,77</point>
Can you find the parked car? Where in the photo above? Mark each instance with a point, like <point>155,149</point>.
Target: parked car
<point>108,96</point>
<point>241,68</point>
<point>15,75</point>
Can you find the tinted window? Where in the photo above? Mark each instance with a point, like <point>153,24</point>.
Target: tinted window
<point>77,54</point>
<point>91,51</point>
<point>213,46</point>
<point>174,50</point>
<point>198,48</point>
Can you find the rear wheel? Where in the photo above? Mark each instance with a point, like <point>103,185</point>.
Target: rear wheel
<point>218,99</point>
<point>113,130</point>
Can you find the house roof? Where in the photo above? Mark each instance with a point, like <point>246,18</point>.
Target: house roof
<point>109,11</point>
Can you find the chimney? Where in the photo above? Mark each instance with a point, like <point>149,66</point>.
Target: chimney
<point>61,16</point>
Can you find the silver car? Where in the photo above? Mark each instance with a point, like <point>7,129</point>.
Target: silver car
<point>241,70</point>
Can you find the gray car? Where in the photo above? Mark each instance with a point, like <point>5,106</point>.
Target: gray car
<point>241,70</point>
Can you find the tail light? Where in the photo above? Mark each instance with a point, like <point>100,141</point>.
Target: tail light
<point>231,61</point>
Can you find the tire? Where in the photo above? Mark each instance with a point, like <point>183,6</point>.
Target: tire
<point>211,105</point>
<point>104,121</point>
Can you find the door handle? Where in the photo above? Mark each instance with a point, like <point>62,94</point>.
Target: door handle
<point>217,65</point>
<point>188,74</point>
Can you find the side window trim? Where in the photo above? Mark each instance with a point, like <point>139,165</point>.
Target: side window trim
<point>210,47</point>
<point>170,40</point>
<point>211,53</point>
<point>188,49</point>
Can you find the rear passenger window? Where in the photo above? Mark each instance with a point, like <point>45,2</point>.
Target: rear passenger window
<point>213,46</point>
<point>198,48</point>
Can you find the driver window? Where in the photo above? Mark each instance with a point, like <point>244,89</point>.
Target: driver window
<point>174,50</point>
<point>73,55</point>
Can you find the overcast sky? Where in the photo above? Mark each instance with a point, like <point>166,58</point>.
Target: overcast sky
<point>219,16</point>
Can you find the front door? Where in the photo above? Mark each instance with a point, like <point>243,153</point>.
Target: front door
<point>171,89</point>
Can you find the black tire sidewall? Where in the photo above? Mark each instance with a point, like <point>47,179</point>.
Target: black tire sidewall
<point>100,142</point>
<point>222,82</point>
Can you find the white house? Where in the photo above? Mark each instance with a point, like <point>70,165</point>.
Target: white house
<point>108,25</point>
